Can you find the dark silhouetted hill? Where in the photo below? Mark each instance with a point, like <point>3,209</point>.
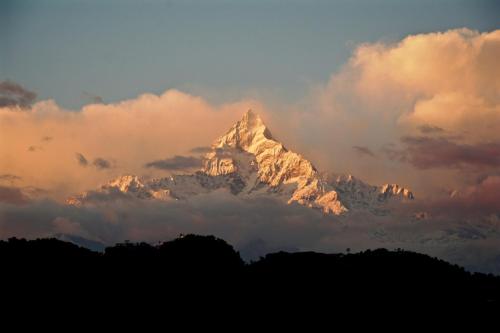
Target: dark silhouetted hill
<point>209,268</point>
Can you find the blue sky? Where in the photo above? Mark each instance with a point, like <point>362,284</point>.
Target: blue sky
<point>222,50</point>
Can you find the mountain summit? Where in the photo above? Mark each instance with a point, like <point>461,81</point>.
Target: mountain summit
<point>248,162</point>
<point>246,134</point>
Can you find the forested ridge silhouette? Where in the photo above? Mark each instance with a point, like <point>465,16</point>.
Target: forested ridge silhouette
<point>208,266</point>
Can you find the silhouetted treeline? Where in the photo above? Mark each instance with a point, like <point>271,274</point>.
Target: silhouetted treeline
<point>208,266</point>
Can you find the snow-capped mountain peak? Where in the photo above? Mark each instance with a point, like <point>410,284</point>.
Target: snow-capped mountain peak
<point>247,161</point>
<point>247,134</point>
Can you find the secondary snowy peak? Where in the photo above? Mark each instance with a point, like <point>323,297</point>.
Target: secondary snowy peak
<point>127,183</point>
<point>124,187</point>
<point>394,190</point>
<point>248,162</point>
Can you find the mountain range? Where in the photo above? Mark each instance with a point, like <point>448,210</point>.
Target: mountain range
<point>248,162</point>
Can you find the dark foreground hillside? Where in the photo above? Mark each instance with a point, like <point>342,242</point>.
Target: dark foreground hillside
<point>207,267</point>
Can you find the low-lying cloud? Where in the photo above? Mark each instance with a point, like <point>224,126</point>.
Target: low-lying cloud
<point>256,226</point>
<point>9,178</point>
<point>12,195</point>
<point>480,199</point>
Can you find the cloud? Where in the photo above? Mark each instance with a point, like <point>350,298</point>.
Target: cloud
<point>448,79</point>
<point>94,99</point>
<point>200,150</point>
<point>9,178</point>
<point>440,83</point>
<point>131,132</point>
<point>418,85</point>
<point>15,96</point>
<point>176,163</point>
<point>254,225</point>
<point>429,152</point>
<point>429,129</point>
<point>101,163</point>
<point>34,148</point>
<point>12,195</point>
<point>363,151</point>
<point>476,200</point>
<point>81,159</point>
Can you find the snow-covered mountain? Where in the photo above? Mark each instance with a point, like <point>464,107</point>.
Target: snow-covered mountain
<point>248,162</point>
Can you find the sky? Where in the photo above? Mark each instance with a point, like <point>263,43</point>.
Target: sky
<point>403,92</point>
<point>72,50</point>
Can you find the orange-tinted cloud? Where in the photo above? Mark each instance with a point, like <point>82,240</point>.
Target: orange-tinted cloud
<point>435,83</point>
<point>115,138</point>
<point>449,80</point>
<point>443,83</point>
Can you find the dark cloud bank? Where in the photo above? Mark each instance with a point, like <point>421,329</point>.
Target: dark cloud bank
<point>425,152</point>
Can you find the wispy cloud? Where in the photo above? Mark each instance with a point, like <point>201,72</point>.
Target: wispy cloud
<point>94,99</point>
<point>363,151</point>
<point>176,163</point>
<point>81,159</point>
<point>14,95</point>
<point>101,163</point>
<point>34,148</point>
<point>200,150</point>
<point>429,129</point>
